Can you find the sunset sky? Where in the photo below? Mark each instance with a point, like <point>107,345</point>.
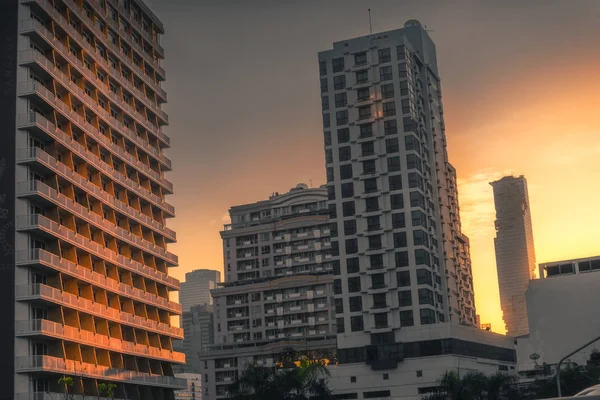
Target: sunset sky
<point>521,92</point>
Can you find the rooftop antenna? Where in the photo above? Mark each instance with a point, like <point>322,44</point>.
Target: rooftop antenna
<point>310,181</point>
<point>370,26</point>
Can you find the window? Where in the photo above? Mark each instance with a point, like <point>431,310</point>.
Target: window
<point>366,130</point>
<point>405,88</point>
<point>422,258</point>
<point>353,286</point>
<point>372,204</point>
<point>344,153</point>
<point>356,323</point>
<point>339,82</point>
<point>346,172</point>
<point>352,379</point>
<point>397,201</point>
<point>393,163</point>
<point>337,286</point>
<point>390,127</point>
<point>329,174</point>
<point>362,76</point>
<point>339,306</point>
<point>364,112</point>
<point>360,58</point>
<point>331,192</point>
<point>350,227</point>
<point>369,167</point>
<point>419,373</point>
<point>421,238</point>
<point>341,100</point>
<point>403,278</point>
<point>389,109</point>
<point>352,265</point>
<point>398,221</point>
<point>418,218</point>
<point>324,103</point>
<point>332,215</point>
<point>355,302</point>
<point>375,242</point>
<point>391,145</point>
<point>326,121</point>
<point>381,320</point>
<point>341,117</point>
<point>406,318</point>
<point>348,209</point>
<point>339,324</point>
<point>426,296</point>
<point>386,377</point>
<point>401,258</point>
<point>424,277</point>
<point>385,55</point>
<point>363,94</point>
<point>417,200</point>
<point>378,281</point>
<point>375,394</point>
<point>343,135</point>
<point>322,68</point>
<point>351,246</point>
<point>376,260</point>
<point>413,162</point>
<point>337,64</point>
<point>347,190</point>
<point>405,298</point>
<point>415,180</point>
<point>395,182</point>
<point>402,70</point>
<point>370,185</point>
<point>400,239</point>
<point>385,73</point>
<point>427,316</point>
<point>387,91</point>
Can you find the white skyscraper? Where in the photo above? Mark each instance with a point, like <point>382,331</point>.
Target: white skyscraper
<point>197,286</point>
<point>515,254</point>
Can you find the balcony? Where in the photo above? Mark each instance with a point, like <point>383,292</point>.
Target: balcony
<point>47,293</point>
<point>45,258</point>
<point>94,219</point>
<point>38,155</point>
<point>56,396</point>
<point>86,370</point>
<point>42,327</point>
<point>46,225</point>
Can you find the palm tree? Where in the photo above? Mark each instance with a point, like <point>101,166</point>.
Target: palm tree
<point>472,386</point>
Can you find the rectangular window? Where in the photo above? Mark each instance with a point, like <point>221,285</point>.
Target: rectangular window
<point>339,324</point>
<point>397,201</point>
<point>393,164</point>
<point>339,306</point>
<point>417,200</point>
<point>375,242</point>
<point>381,320</point>
<point>422,257</point>
<point>420,238</point>
<point>402,70</point>
<point>363,94</point>
<point>413,162</point>
<point>343,135</point>
<point>376,260</point>
<point>364,112</point>
<point>392,146</point>
<point>324,103</point>
<point>337,64</point>
<point>346,171</point>
<point>385,55</point>
<point>398,221</point>
<point>427,316</point>
<point>370,185</point>
<point>418,218</point>
<point>345,153</point>
<point>351,246</point>
<point>387,91</point>
<point>341,117</point>
<point>360,58</point>
<point>339,82</point>
<point>406,318</point>
<point>367,149</point>
<point>348,209</point>
<point>322,68</point>
<point>378,281</point>
<point>356,323</point>
<point>426,297</point>
<point>400,240</point>
<point>366,130</point>
<point>400,51</point>
<point>347,190</point>
<point>337,286</point>
<point>395,182</point>
<point>385,73</point>
<point>326,121</point>
<point>331,192</point>
<point>405,298</point>
<point>424,277</point>
<point>401,258</point>
<point>379,300</point>
<point>372,204</point>
<point>362,76</point>
<point>403,278</point>
<point>350,227</point>
<point>389,109</point>
<point>327,138</point>
<point>353,285</point>
<point>390,127</point>
<point>352,265</point>
<point>341,100</point>
<point>324,87</point>
<point>355,302</point>
<point>369,167</point>
<point>415,180</point>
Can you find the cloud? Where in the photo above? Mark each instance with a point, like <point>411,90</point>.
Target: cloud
<point>226,219</point>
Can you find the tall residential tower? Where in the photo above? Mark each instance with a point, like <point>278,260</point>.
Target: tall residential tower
<point>83,210</point>
<point>197,286</point>
<point>515,254</point>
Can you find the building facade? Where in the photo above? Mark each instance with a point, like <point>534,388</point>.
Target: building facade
<point>83,191</point>
<point>198,331</point>
<point>515,253</point>
<point>193,391</point>
<point>197,286</point>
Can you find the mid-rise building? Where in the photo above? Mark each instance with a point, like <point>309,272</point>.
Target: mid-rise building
<point>278,289</point>
<point>515,253</point>
<point>193,391</point>
<point>198,331</point>
<point>558,307</point>
<point>84,265</point>
<point>197,286</point>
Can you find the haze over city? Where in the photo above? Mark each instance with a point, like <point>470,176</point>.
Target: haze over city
<point>520,96</point>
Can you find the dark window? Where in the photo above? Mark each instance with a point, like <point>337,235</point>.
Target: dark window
<point>427,316</point>
<point>385,55</point>
<point>328,156</point>
<point>364,112</point>
<point>335,266</point>
<point>409,124</point>
<point>347,190</point>
<point>390,127</point>
<point>422,257</point>
<point>406,318</point>
<point>355,302</point>
<point>350,227</point>
<point>424,277</point>
<point>415,180</point>
<point>352,379</point>
<point>400,239</point>
<point>387,91</point>
<point>370,185</point>
<point>385,73</point>
<point>421,238</point>
<point>346,171</point>
<point>362,76</point>
<point>339,306</point>
<point>418,218</point>
<point>389,109</point>
<point>393,163</point>
<point>337,64</point>
<point>417,199</point>
<point>324,87</point>
<point>330,176</point>
<point>332,209</point>
<point>425,296</point>
<point>356,323</point>
<point>343,135</point>
<point>386,377</point>
<point>403,278</point>
<point>327,138</point>
<point>339,82</point>
<point>351,246</point>
<point>337,286</point>
<point>339,324</point>
<point>405,298</point>
<point>419,373</point>
<point>367,149</point>
<point>378,281</point>
<point>405,88</point>
<point>372,204</point>
<point>352,265</point>
<point>379,300</point>
<point>369,167</point>
<point>344,153</point>
<point>363,94</point>
<point>413,162</point>
<point>378,393</point>
<point>402,70</point>
<point>395,182</point>
<point>322,68</point>
<point>341,117</point>
<point>326,121</point>
<point>325,103</point>
<point>400,52</point>
<point>398,221</point>
<point>375,242</point>
<point>366,130</point>
<point>391,145</point>
<point>360,58</point>
<point>401,258</point>
<point>348,209</point>
<point>376,260</point>
<point>381,320</point>
<point>373,223</point>
<point>331,192</point>
<point>341,100</point>
<point>397,201</point>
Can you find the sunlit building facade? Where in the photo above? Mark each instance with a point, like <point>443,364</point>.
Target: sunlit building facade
<point>197,286</point>
<point>85,265</point>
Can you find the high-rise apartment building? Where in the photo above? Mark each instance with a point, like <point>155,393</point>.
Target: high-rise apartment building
<point>515,254</point>
<point>197,286</point>
<point>198,331</point>
<point>278,289</point>
<point>84,259</point>
<point>403,281</point>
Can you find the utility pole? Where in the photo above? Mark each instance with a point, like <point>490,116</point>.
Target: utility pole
<point>567,356</point>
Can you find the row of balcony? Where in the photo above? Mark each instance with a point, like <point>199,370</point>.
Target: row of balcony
<point>94,219</point>
<point>36,154</point>
<point>56,396</point>
<point>301,235</point>
<point>40,291</point>
<point>69,333</point>
<point>50,260</point>
<point>44,224</point>
<point>69,367</point>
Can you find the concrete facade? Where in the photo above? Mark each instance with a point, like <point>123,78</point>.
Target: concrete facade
<point>199,332</point>
<point>85,265</point>
<point>197,286</point>
<point>193,391</point>
<point>515,253</point>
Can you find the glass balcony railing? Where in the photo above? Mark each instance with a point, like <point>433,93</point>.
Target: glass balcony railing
<point>70,367</point>
<point>92,218</point>
<point>50,162</point>
<point>40,256</point>
<point>69,333</point>
<point>57,296</point>
<point>38,221</point>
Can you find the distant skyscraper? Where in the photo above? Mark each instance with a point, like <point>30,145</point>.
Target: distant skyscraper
<point>515,254</point>
<point>196,288</point>
<point>198,331</point>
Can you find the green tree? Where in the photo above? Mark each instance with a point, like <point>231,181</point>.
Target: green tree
<point>472,386</point>
<point>107,389</point>
<point>67,382</point>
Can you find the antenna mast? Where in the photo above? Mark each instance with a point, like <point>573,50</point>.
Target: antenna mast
<point>370,26</point>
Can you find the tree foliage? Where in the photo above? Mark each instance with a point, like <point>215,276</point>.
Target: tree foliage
<point>473,386</point>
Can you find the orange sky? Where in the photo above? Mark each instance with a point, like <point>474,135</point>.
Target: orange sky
<point>521,101</point>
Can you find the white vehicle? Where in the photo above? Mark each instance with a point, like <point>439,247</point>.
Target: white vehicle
<point>591,391</point>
